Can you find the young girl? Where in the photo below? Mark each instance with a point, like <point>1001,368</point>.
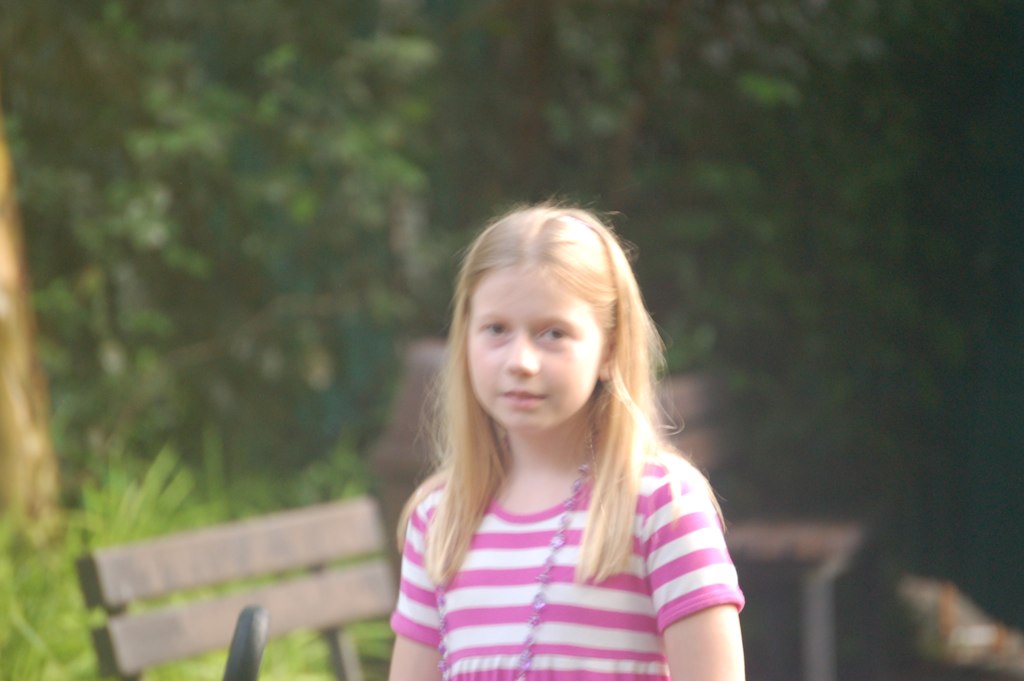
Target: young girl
<point>560,538</point>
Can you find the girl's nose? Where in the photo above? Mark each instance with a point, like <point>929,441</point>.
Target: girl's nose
<point>522,358</point>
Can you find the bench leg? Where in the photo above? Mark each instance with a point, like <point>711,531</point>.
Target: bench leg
<point>819,636</point>
<point>344,657</point>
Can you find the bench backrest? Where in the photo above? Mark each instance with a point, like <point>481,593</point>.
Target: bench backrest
<point>328,565</point>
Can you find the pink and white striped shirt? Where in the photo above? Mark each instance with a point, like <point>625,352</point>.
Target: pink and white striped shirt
<point>606,631</point>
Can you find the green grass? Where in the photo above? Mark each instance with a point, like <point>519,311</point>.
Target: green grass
<point>44,624</point>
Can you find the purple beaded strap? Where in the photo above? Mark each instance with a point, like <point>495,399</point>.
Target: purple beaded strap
<point>539,601</point>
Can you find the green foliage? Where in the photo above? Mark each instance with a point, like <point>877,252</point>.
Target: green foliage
<point>212,197</point>
<point>764,158</point>
<point>228,231</point>
<point>43,631</point>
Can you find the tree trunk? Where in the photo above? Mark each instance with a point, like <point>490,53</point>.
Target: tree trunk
<point>28,467</point>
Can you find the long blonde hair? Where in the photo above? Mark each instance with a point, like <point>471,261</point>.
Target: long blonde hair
<point>471,465</point>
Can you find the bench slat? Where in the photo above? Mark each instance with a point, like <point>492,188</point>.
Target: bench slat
<point>796,541</point>
<point>330,599</point>
<point>116,576</point>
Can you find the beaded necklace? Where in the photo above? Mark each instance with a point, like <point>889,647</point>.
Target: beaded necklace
<point>539,600</point>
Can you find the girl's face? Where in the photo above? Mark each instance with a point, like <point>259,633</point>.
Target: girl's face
<point>536,352</point>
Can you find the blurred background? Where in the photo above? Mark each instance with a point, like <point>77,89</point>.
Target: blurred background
<point>232,218</point>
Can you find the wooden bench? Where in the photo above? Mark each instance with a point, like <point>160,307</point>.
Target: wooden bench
<point>811,552</point>
<point>320,568</point>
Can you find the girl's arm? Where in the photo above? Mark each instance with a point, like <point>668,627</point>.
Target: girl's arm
<point>706,646</point>
<point>413,661</point>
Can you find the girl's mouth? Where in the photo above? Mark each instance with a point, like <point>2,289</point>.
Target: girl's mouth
<point>522,398</point>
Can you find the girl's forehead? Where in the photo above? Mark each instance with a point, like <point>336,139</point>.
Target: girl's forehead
<point>537,275</point>
<point>523,288</point>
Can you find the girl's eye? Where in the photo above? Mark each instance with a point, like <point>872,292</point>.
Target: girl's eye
<point>494,329</point>
<point>554,334</point>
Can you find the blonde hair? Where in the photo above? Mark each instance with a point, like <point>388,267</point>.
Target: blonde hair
<point>471,464</point>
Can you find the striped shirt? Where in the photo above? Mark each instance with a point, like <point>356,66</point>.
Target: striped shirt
<point>605,631</point>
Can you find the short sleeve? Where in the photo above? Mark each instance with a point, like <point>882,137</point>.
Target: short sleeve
<point>688,565</point>
<point>416,616</point>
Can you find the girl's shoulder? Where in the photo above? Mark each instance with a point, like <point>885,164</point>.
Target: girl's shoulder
<point>429,503</point>
<point>429,496</point>
<point>670,481</point>
<point>423,503</point>
<point>668,468</point>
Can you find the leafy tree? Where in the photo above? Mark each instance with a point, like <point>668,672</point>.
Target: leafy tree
<point>223,209</point>
<point>764,157</point>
